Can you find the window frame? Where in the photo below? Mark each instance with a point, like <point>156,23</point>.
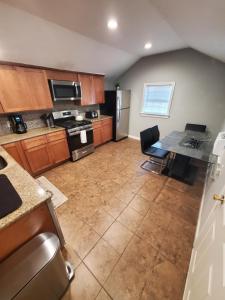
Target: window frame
<point>172,83</point>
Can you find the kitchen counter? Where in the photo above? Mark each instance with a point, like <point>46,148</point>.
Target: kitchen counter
<point>30,192</point>
<point>14,137</point>
<point>101,117</point>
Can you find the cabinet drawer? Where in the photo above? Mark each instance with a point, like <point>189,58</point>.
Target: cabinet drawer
<point>55,136</point>
<point>34,142</point>
<point>107,121</point>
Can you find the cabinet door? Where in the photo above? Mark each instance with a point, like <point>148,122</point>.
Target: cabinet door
<point>59,150</point>
<point>14,90</point>
<point>39,92</point>
<point>86,88</point>
<point>61,75</point>
<point>98,86</point>
<point>97,136</point>
<point>107,130</point>
<point>16,151</point>
<point>39,158</point>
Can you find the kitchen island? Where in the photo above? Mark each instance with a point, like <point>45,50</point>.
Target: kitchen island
<point>35,215</point>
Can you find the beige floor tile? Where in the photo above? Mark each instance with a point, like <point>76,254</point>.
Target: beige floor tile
<point>177,185</point>
<point>118,236</point>
<point>125,195</point>
<point>100,221</point>
<point>140,204</point>
<point>84,285</point>
<point>150,194</point>
<point>103,295</point>
<point>128,278</point>
<point>70,255</point>
<point>130,218</point>
<point>101,260</point>
<point>84,240</point>
<point>114,206</point>
<point>165,282</point>
<point>154,226</point>
<point>161,211</point>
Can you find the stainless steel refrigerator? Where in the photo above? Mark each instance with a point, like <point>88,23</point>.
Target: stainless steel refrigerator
<point>117,104</point>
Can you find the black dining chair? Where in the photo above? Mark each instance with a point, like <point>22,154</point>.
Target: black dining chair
<point>195,127</point>
<point>156,156</point>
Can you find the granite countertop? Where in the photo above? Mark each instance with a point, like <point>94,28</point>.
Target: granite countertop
<point>31,193</point>
<point>100,117</point>
<point>14,137</point>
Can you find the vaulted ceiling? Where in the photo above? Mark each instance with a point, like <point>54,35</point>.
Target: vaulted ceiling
<point>73,34</point>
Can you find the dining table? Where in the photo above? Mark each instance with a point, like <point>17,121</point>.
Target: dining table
<point>185,147</point>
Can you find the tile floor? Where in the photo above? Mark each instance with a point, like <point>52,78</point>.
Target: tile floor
<point>129,233</point>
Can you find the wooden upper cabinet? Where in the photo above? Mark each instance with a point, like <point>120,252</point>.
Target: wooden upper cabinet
<point>23,89</point>
<point>98,86</point>
<point>14,90</point>
<point>86,81</point>
<point>61,75</point>
<point>38,89</point>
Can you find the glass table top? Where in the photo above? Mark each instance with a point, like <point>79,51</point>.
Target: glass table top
<point>194,144</point>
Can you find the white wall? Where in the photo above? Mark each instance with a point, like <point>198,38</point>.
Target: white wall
<point>199,95</point>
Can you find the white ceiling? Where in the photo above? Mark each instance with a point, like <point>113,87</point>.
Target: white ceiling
<point>138,22</point>
<point>200,23</point>
<point>169,25</point>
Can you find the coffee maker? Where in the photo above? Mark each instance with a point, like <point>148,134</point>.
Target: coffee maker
<point>17,124</point>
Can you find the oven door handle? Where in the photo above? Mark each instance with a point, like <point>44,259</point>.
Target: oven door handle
<point>78,132</point>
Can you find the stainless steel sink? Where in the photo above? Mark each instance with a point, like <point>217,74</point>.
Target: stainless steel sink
<point>3,163</point>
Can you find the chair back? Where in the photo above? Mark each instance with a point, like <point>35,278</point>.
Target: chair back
<point>149,137</point>
<point>195,127</point>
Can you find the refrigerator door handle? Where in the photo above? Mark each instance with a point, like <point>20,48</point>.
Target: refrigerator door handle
<point>118,108</point>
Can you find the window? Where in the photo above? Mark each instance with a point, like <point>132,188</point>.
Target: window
<point>157,98</point>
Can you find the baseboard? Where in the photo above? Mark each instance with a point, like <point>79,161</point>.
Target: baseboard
<point>134,137</point>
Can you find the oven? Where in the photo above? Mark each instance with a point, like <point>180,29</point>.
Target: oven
<point>77,148</point>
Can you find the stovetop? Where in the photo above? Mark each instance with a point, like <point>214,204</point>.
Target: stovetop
<point>69,124</point>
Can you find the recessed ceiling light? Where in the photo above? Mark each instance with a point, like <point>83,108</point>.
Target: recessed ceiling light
<point>112,24</point>
<point>148,45</point>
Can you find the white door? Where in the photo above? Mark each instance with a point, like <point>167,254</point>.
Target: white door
<point>206,276</point>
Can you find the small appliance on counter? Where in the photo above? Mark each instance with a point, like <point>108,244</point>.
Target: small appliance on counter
<point>91,114</point>
<point>48,119</point>
<point>17,124</point>
<point>79,118</point>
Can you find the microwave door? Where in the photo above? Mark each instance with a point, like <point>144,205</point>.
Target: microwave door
<point>78,90</point>
<point>63,90</point>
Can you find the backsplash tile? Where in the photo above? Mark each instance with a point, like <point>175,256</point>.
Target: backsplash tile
<point>32,119</point>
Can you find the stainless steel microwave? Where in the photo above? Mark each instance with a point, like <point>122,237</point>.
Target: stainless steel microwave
<point>65,90</point>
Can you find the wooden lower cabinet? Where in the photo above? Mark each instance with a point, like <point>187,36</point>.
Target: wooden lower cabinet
<point>40,153</point>
<point>38,158</point>
<point>106,130</point>
<point>37,221</point>
<point>59,151</point>
<point>16,151</point>
<point>102,131</point>
<point>97,136</point>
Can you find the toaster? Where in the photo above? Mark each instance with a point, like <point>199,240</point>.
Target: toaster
<point>91,114</point>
